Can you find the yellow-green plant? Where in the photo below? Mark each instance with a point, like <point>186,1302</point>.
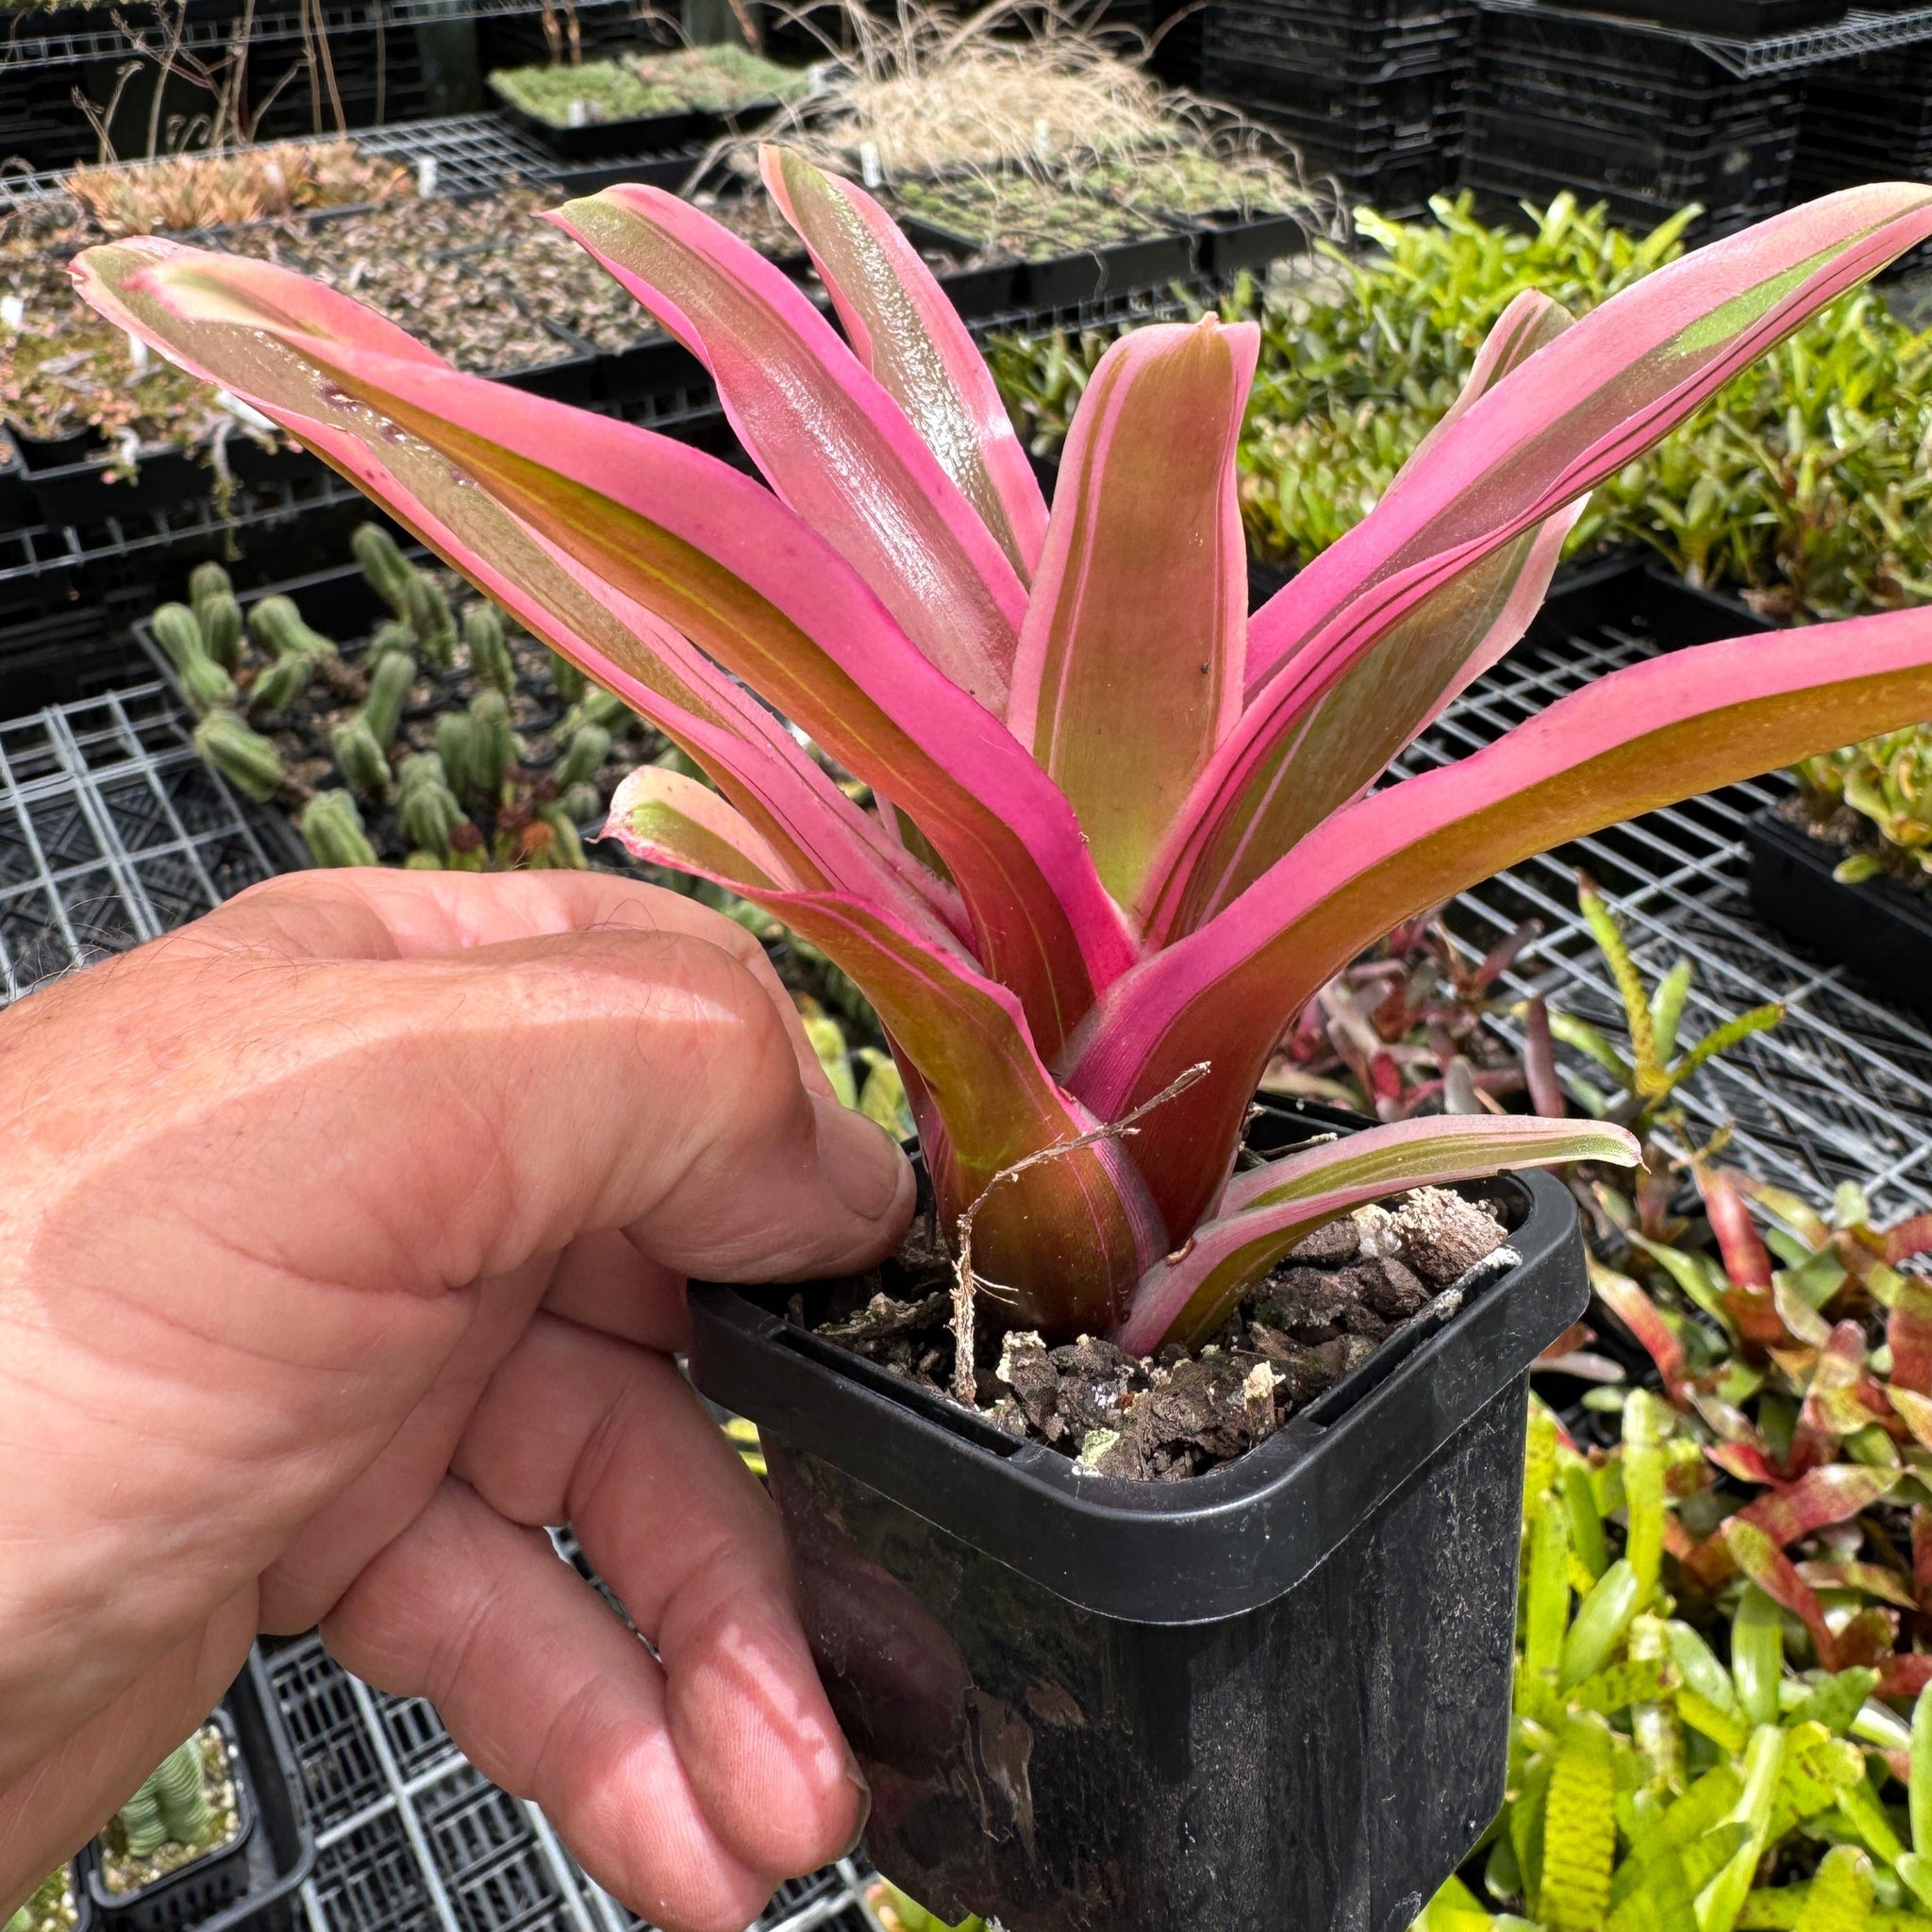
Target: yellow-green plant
<point>1888,782</point>
<point>1803,484</point>
<point>1668,1776</point>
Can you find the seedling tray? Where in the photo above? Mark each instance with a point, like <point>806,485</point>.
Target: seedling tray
<point>1733,20</point>
<point>1226,241</point>
<point>1059,282</point>
<point>644,134</point>
<point>1881,928</point>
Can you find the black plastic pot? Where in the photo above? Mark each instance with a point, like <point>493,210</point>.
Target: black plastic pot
<point>1880,928</point>
<point>1272,1696</point>
<point>199,1890</point>
<point>251,1884</point>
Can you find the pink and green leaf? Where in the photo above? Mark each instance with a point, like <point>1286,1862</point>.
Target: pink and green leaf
<point>648,523</point>
<point>906,331</point>
<point>1639,739</point>
<point>825,837</point>
<point>1817,1500</point>
<point>828,436</point>
<point>1574,413</point>
<point>1064,1234</point>
<point>1186,1297</point>
<point>1129,665</point>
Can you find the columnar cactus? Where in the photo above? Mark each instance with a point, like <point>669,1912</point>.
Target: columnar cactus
<point>332,829</point>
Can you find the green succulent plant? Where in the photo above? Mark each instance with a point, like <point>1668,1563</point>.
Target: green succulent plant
<point>1888,782</point>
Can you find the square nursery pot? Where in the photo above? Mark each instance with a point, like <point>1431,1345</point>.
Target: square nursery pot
<point>251,1884</point>
<point>1881,928</point>
<point>1270,1698</point>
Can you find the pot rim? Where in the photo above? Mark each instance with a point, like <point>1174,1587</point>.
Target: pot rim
<point>1203,1548</point>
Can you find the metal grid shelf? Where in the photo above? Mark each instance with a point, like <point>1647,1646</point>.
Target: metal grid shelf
<point>112,831</point>
<point>211,36</point>
<point>1859,32</point>
<point>1841,1091</point>
<point>411,1838</point>
<point>475,154</point>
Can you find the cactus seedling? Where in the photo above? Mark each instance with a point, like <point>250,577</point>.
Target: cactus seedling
<point>177,631</point>
<point>583,757</point>
<point>563,850</point>
<point>207,580</point>
<point>388,690</point>
<point>171,1806</point>
<point>427,610</point>
<point>331,827</point>
<point>205,683</point>
<point>571,683</point>
<point>386,569</point>
<point>427,808</point>
<point>490,658</point>
<point>219,618</point>
<point>360,757</point>
<point>492,747</point>
<point>246,759</point>
<point>395,634</point>
<point>596,706</point>
<point>456,740</point>
<point>277,625</point>
<point>278,685</point>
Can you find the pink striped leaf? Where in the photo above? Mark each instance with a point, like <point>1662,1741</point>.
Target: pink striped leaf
<point>715,557</point>
<point>825,432</point>
<point>1129,666</point>
<point>797,805</point>
<point>1392,690</point>
<point>1574,413</point>
<point>1186,1297</point>
<point>903,329</point>
<point>1063,1235</point>
<point>1753,1552</point>
<point>1638,739</point>
<point>1835,1493</point>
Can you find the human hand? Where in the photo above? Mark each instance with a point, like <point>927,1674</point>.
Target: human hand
<point>343,1250</point>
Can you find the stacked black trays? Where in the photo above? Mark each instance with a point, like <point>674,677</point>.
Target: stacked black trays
<point>1369,92</point>
<point>1867,119</point>
<point>1635,116</point>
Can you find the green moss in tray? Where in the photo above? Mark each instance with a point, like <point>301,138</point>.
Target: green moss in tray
<point>716,79</point>
<point>1017,215</point>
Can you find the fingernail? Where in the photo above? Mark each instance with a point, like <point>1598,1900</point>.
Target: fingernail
<point>859,1158</point>
<point>857,1778</point>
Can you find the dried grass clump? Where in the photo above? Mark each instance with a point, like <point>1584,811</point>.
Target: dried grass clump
<point>248,184</point>
<point>1042,91</point>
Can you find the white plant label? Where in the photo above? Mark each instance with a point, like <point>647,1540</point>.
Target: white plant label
<point>426,175</point>
<point>873,175</point>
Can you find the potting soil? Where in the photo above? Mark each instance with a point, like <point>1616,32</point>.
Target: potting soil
<point>1322,1311</point>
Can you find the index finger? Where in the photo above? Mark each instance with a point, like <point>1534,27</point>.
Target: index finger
<point>372,912</point>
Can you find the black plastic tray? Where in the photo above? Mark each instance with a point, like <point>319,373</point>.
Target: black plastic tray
<point>1882,929</point>
<point>1059,282</point>
<point>1276,1694</point>
<point>645,134</point>
<point>1736,19</point>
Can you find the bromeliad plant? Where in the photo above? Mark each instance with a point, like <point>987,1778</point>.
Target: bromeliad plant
<point>1122,833</point>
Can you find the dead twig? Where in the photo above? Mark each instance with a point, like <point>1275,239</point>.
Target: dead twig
<point>966,1283</point>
